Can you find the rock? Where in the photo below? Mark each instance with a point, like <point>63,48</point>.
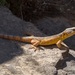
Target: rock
<point>47,70</point>
<point>10,23</point>
<point>16,58</point>
<point>70,69</point>
<point>62,72</point>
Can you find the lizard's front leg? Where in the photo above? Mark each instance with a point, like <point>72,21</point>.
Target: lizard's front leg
<point>35,43</point>
<point>60,45</point>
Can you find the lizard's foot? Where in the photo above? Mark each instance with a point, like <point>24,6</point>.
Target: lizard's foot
<point>34,47</point>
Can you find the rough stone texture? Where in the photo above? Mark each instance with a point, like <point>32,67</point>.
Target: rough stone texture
<point>17,59</point>
<point>70,63</point>
<point>62,72</point>
<point>10,23</point>
<point>33,9</point>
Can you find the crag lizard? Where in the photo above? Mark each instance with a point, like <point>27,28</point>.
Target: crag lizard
<point>43,41</point>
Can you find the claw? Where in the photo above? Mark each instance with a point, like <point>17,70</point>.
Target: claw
<point>34,47</point>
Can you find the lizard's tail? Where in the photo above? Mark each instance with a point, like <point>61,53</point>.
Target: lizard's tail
<point>16,38</point>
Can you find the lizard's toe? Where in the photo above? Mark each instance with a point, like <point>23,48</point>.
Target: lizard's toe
<point>34,47</point>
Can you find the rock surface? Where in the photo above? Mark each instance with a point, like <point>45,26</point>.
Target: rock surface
<point>17,59</point>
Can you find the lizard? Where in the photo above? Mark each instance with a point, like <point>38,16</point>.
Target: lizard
<point>44,41</point>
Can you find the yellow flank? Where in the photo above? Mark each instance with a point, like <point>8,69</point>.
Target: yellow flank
<point>49,41</point>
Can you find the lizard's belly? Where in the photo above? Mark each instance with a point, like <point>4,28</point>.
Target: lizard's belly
<point>48,42</point>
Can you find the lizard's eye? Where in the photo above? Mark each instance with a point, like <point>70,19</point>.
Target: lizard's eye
<point>73,29</point>
<point>64,34</point>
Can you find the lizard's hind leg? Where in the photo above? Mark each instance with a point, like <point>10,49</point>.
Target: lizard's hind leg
<point>35,44</point>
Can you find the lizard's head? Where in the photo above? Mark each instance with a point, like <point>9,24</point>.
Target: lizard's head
<point>70,31</point>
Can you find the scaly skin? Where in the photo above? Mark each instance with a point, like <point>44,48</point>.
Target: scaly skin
<point>43,41</point>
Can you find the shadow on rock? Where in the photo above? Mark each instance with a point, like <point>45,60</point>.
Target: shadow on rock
<point>62,63</point>
<point>9,50</point>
